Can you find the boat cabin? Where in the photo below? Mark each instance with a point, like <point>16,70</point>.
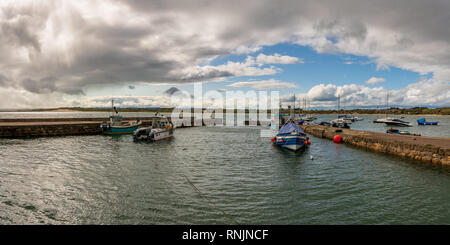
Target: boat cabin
<point>160,122</point>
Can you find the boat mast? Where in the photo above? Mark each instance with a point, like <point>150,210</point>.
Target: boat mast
<point>387,103</point>
<point>292,108</point>
<point>295,100</point>
<point>339,103</point>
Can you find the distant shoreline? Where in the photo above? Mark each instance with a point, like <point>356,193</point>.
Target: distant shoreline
<point>140,110</point>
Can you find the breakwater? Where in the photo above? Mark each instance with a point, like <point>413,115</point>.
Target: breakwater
<point>42,127</point>
<point>428,149</point>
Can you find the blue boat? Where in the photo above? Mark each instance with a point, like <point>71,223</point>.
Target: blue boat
<point>291,137</point>
<point>423,121</point>
<point>117,126</point>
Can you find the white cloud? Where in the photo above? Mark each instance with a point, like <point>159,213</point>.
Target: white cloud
<point>425,92</point>
<point>374,80</point>
<point>264,84</point>
<point>250,67</point>
<point>277,59</point>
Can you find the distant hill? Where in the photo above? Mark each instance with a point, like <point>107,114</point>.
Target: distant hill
<point>404,111</point>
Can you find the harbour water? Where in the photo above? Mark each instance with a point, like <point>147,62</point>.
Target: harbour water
<point>242,177</point>
<point>443,130</point>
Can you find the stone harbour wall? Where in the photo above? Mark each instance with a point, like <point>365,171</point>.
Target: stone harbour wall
<point>428,149</point>
<point>23,131</point>
<point>43,127</point>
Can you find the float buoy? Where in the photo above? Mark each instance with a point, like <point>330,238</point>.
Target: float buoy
<point>272,139</point>
<point>281,141</point>
<point>337,139</point>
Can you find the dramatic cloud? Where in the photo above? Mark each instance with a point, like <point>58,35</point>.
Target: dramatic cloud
<point>264,84</point>
<point>424,92</point>
<point>172,91</point>
<point>63,47</point>
<point>374,80</point>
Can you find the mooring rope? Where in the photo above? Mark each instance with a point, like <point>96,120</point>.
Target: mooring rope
<point>210,202</point>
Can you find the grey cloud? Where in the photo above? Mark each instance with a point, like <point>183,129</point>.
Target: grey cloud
<point>45,85</point>
<point>172,91</point>
<point>154,40</point>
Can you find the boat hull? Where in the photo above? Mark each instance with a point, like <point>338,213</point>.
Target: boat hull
<point>149,134</point>
<point>293,143</point>
<point>429,123</point>
<point>398,124</point>
<point>120,130</point>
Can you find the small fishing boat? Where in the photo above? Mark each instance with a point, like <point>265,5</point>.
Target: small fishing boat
<point>161,129</point>
<point>401,132</point>
<point>423,121</point>
<point>291,137</point>
<point>397,122</point>
<point>341,121</point>
<point>309,118</point>
<point>381,120</point>
<point>342,124</point>
<point>347,118</point>
<point>117,126</point>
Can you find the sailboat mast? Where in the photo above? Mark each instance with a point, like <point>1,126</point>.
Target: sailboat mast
<point>387,103</point>
<point>339,103</point>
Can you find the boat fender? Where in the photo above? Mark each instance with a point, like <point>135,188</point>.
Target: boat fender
<point>337,139</point>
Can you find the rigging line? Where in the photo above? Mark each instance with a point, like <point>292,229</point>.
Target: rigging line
<point>205,197</point>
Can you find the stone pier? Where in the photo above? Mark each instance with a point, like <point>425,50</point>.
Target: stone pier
<point>428,149</point>
<point>41,127</point>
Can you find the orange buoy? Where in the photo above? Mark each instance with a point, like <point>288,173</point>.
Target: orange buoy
<point>337,139</point>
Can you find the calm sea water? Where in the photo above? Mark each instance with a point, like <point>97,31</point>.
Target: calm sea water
<point>242,177</point>
<point>443,130</point>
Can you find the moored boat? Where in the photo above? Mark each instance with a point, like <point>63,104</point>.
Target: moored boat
<point>401,132</point>
<point>347,118</point>
<point>341,121</point>
<point>291,137</point>
<point>397,122</point>
<point>380,120</point>
<point>117,126</point>
<point>161,129</point>
<point>423,121</point>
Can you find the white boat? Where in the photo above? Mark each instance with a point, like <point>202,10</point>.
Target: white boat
<point>381,120</point>
<point>161,129</point>
<point>397,122</point>
<point>341,120</point>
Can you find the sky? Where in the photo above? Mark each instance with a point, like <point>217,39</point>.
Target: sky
<point>139,52</point>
